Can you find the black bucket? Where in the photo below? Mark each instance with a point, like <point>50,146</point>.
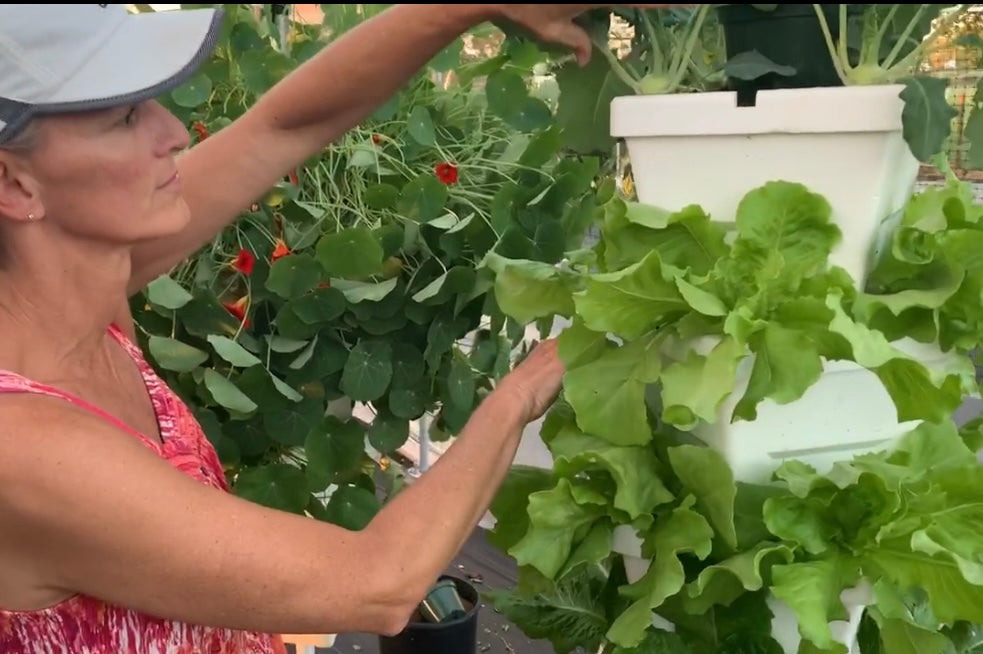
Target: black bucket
<point>458,636</point>
<point>789,35</point>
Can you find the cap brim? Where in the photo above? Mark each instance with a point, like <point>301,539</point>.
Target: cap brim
<point>151,53</point>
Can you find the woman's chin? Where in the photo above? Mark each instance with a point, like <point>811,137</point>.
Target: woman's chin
<point>167,221</point>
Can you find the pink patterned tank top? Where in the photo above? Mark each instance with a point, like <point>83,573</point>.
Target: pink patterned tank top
<point>86,625</point>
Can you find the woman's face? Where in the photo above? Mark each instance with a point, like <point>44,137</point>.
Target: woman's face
<point>109,175</point>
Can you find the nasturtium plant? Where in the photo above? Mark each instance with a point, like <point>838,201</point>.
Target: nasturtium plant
<point>659,314</point>
<point>348,302</point>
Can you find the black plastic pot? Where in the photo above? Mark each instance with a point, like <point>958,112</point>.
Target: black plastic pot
<point>788,35</point>
<point>458,636</point>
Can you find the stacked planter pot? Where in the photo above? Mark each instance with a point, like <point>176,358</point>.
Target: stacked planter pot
<point>845,143</point>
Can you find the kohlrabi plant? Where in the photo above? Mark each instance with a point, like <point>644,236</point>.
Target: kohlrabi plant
<point>886,44</point>
<point>670,52</point>
<point>893,40</point>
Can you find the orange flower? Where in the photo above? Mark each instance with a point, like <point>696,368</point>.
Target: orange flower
<point>200,130</point>
<point>244,262</point>
<point>281,250</point>
<point>238,309</point>
<point>376,138</point>
<point>446,172</point>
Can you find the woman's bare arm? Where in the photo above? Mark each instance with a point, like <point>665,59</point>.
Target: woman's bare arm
<point>101,514</point>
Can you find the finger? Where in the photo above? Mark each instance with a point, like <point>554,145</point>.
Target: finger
<point>549,353</point>
<point>541,350</point>
<point>573,37</point>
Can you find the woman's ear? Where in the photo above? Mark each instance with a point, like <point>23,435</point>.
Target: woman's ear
<point>20,192</point>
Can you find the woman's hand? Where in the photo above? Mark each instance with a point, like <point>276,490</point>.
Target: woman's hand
<point>554,23</point>
<point>535,382</point>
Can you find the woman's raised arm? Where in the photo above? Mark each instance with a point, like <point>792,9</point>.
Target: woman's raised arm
<point>88,509</point>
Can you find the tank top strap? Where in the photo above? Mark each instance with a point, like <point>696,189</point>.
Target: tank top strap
<point>131,349</point>
<point>11,382</point>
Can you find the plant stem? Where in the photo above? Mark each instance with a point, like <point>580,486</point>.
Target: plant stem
<point>680,66</point>
<point>830,45</point>
<point>658,61</point>
<point>618,69</point>
<point>881,33</point>
<point>841,44</point>
<point>896,50</point>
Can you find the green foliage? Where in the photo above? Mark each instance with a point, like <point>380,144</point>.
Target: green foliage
<point>352,283</point>
<point>667,308</point>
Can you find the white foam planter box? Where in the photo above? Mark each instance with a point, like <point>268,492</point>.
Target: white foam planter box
<point>784,623</point>
<point>844,143</point>
<point>846,412</point>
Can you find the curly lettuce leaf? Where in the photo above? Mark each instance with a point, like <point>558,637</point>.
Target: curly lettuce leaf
<point>784,234</point>
<point>812,590</point>
<point>608,393</point>
<point>634,469</point>
<point>682,531</point>
<point>631,301</point>
<point>556,516</point>
<point>694,388</point>
<point>909,517</point>
<point>687,239</point>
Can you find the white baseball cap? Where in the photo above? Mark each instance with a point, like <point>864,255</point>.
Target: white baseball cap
<point>59,58</point>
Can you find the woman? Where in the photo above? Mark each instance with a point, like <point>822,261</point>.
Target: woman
<point>116,534</point>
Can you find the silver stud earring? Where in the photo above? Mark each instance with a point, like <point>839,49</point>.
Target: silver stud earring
<point>30,216</point>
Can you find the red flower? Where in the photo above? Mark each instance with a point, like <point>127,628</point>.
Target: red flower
<point>446,172</point>
<point>238,309</point>
<point>200,130</point>
<point>376,138</point>
<point>281,250</point>
<point>244,262</point>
